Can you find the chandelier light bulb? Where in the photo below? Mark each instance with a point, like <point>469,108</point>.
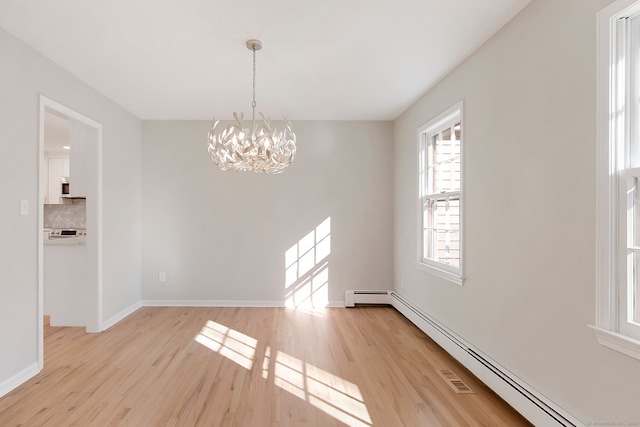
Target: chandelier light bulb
<point>259,149</point>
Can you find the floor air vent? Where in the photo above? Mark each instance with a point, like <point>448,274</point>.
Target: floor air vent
<point>456,383</point>
<point>525,399</point>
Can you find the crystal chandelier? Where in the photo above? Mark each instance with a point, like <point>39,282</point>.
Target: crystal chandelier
<point>261,149</point>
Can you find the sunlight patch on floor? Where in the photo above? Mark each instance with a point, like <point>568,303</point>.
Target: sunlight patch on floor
<point>331,394</point>
<point>229,343</point>
<point>327,392</point>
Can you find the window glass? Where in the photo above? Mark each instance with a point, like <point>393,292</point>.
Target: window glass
<point>441,193</point>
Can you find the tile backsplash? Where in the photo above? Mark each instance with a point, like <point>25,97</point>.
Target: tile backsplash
<point>73,215</point>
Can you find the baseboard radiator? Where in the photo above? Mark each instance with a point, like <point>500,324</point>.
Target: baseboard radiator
<point>531,404</point>
<point>377,297</point>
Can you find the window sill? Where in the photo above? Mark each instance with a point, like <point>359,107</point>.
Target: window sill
<point>618,342</point>
<point>443,274</point>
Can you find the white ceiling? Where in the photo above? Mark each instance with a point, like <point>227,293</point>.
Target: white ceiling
<point>56,135</point>
<point>322,60</point>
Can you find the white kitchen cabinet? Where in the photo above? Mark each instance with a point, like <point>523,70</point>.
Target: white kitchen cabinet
<point>56,168</point>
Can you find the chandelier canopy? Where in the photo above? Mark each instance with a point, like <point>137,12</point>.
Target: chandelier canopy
<point>259,149</point>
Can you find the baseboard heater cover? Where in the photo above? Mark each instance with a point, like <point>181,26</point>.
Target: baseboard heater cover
<point>531,404</point>
<point>353,297</point>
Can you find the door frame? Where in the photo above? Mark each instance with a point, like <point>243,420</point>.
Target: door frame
<point>93,298</point>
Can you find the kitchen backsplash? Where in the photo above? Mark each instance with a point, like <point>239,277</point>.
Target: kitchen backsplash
<point>73,215</point>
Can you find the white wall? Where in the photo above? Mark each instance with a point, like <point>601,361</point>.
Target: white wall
<point>24,75</point>
<point>529,135</point>
<point>222,236</point>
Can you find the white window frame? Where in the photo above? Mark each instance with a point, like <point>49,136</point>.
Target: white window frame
<point>617,120</point>
<point>448,272</point>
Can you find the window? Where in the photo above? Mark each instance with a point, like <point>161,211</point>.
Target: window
<point>618,178</point>
<point>440,175</point>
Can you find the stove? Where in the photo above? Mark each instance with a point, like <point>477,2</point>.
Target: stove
<point>61,233</point>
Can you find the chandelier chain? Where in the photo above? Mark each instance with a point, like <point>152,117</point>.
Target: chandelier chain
<point>253,104</point>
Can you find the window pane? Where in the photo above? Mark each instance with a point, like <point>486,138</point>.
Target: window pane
<point>634,287</point>
<point>441,151</point>
<point>447,213</point>
<point>442,253</point>
<point>446,134</point>
<point>444,177</point>
<point>447,176</point>
<point>635,214</point>
<point>634,314</point>
<point>431,163</point>
<point>442,230</point>
<point>454,248</point>
<point>444,160</point>
<point>447,247</point>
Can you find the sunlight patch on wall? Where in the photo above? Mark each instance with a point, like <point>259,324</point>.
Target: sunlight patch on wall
<point>307,268</point>
<point>229,343</point>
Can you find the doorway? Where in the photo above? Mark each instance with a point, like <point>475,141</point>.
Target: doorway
<point>85,134</point>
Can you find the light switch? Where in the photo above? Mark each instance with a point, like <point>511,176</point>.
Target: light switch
<point>24,207</point>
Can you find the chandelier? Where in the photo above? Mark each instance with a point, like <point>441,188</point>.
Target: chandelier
<point>259,149</point>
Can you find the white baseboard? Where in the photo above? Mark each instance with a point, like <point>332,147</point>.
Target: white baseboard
<point>119,316</point>
<point>521,396</point>
<point>196,303</point>
<point>19,378</point>
<point>221,303</point>
<point>208,303</point>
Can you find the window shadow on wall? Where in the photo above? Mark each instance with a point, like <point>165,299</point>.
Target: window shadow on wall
<point>307,269</point>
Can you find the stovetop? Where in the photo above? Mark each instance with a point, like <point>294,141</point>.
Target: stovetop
<point>66,232</point>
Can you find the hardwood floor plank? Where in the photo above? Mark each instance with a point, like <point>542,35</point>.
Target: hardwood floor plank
<point>177,366</point>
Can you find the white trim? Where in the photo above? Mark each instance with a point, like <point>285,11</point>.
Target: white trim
<point>99,266</point>
<point>222,303</point>
<point>622,343</point>
<point>606,194</point>
<point>446,116</point>
<point>119,316</point>
<point>619,8</point>
<point>452,274</point>
<point>610,93</point>
<point>94,321</point>
<point>336,304</point>
<point>534,406</point>
<point>40,302</point>
<point>20,378</point>
<point>441,273</point>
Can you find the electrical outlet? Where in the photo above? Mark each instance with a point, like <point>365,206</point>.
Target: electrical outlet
<point>162,276</point>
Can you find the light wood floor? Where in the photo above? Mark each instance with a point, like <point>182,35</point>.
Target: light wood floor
<point>366,366</point>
